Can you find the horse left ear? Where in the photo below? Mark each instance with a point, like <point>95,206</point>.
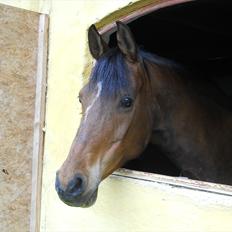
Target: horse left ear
<point>97,46</point>
<point>126,42</point>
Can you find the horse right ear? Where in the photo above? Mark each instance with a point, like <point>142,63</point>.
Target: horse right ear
<point>97,46</point>
<point>126,41</point>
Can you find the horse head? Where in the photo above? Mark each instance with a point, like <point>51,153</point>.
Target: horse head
<point>116,120</point>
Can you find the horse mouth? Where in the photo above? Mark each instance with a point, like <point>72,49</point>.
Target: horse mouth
<point>92,199</point>
<point>83,202</point>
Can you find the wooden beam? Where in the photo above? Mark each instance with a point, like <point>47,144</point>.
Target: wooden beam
<point>39,124</point>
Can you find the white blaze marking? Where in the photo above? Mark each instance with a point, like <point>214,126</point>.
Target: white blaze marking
<point>99,89</point>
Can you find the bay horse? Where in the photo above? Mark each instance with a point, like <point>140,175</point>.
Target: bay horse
<point>134,98</point>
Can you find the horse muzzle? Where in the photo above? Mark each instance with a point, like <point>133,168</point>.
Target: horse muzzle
<point>75,193</point>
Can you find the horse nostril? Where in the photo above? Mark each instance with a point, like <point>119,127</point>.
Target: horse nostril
<point>76,186</point>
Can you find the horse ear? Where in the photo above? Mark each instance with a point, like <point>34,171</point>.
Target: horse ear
<point>126,42</point>
<point>97,46</point>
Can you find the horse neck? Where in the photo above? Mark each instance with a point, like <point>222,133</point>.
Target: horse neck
<point>168,90</point>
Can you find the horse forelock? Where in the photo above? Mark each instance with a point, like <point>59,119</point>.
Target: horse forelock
<point>112,72</point>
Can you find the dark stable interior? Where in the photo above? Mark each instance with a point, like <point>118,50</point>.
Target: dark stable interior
<point>196,34</point>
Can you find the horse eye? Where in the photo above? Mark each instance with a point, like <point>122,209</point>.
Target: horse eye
<point>126,102</point>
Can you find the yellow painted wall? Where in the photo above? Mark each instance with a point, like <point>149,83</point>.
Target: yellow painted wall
<point>123,204</point>
<point>41,6</point>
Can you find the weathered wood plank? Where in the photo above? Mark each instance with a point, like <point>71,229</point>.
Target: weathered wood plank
<point>19,30</point>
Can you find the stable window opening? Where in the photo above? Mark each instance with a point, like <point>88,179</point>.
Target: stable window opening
<point>196,34</point>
